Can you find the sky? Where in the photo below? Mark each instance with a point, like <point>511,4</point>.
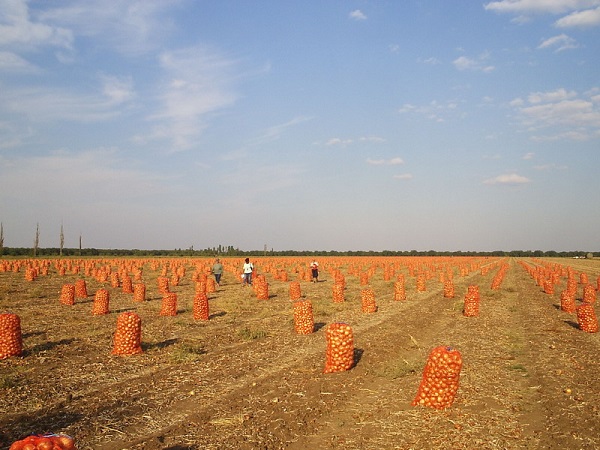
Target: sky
<point>341,125</point>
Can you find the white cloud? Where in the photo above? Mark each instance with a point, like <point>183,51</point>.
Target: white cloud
<point>528,156</point>
<point>539,6</point>
<point>18,30</point>
<point>478,64</point>
<point>357,14</point>
<point>434,110</point>
<point>587,18</point>
<point>559,43</point>
<point>338,142</point>
<point>404,176</point>
<point>345,142</point>
<point>551,166</point>
<point>14,63</point>
<point>385,162</point>
<point>507,179</point>
<point>131,27</point>
<point>197,82</point>
<point>559,114</point>
<point>117,90</point>
<point>551,96</point>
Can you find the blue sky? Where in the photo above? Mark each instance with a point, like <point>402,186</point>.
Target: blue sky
<point>313,125</point>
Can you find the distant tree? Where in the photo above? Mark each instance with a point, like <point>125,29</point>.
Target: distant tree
<point>1,239</point>
<point>36,241</point>
<point>62,240</point>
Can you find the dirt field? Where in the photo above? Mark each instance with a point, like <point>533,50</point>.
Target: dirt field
<point>245,380</point>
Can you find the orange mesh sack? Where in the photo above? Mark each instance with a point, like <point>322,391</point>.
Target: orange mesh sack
<point>200,308</point>
<point>304,322</point>
<point>340,348</point>
<point>399,289</point>
<point>67,294</point>
<point>448,289</point>
<point>471,307</point>
<point>440,378</point>
<point>80,288</point>
<point>338,293</point>
<point>567,301</point>
<point>295,292</point>
<point>46,441</point>
<point>589,294</point>
<point>128,336</point>
<point>101,302</point>
<point>169,304</point>
<point>586,317</point>
<point>368,303</point>
<point>11,341</point>
<point>139,292</point>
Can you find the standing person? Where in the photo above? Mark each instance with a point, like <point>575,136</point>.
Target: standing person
<point>217,270</point>
<point>314,267</point>
<point>248,268</point>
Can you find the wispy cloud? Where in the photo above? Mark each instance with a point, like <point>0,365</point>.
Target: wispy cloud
<point>580,19</point>
<point>197,82</point>
<point>559,43</point>
<point>11,62</point>
<point>476,64</point>
<point>528,156</point>
<point>404,176</point>
<point>357,14</point>
<point>385,162</point>
<point>507,179</point>
<point>336,141</point>
<point>434,110</point>
<point>559,114</point>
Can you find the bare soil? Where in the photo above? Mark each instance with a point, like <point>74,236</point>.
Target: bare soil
<point>245,380</point>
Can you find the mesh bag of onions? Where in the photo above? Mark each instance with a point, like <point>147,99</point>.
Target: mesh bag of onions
<point>128,335</point>
<point>340,348</point>
<point>440,378</point>
<point>45,442</point>
<point>11,341</point>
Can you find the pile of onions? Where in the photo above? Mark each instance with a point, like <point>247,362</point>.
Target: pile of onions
<point>200,307</point>
<point>421,282</point>
<point>295,292</point>
<point>471,307</point>
<point>139,292</point>
<point>304,322</point>
<point>340,348</point>
<point>338,293</point>
<point>211,285</point>
<point>368,304</point>
<point>126,284</point>
<point>567,301</point>
<point>128,336</point>
<point>399,288</point>
<point>67,294</point>
<point>11,341</point>
<point>261,288</point>
<point>101,302</point>
<point>589,294</point>
<point>163,284</point>
<point>440,378</point>
<point>45,442</point>
<point>80,288</point>
<point>448,289</point>
<point>169,304</point>
<point>586,318</point>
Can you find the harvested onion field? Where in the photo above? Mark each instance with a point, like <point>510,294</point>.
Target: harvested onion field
<point>245,379</point>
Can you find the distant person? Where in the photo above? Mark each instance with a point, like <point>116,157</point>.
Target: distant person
<point>314,267</point>
<point>248,268</point>
<point>217,270</point>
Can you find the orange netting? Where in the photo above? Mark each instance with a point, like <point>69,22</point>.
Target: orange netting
<point>80,289</point>
<point>340,348</point>
<point>440,378</point>
<point>448,289</point>
<point>11,341</point>
<point>586,318</point>
<point>338,293</point>
<point>567,301</point>
<point>589,294</point>
<point>139,292</point>
<point>45,442</point>
<point>294,289</point>
<point>128,336</point>
<point>101,302</point>
<point>471,307</point>
<point>169,304</point>
<point>304,322</point>
<point>67,294</point>
<point>368,304</point>
<point>200,308</point>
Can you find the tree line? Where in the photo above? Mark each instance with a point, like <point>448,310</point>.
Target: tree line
<point>234,252</point>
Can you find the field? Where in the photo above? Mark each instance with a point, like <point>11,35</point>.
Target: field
<point>244,379</point>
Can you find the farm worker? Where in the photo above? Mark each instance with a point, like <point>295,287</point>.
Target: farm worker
<point>248,268</point>
<point>217,270</point>
<point>314,267</point>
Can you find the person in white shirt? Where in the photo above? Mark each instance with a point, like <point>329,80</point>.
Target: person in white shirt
<point>248,268</point>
